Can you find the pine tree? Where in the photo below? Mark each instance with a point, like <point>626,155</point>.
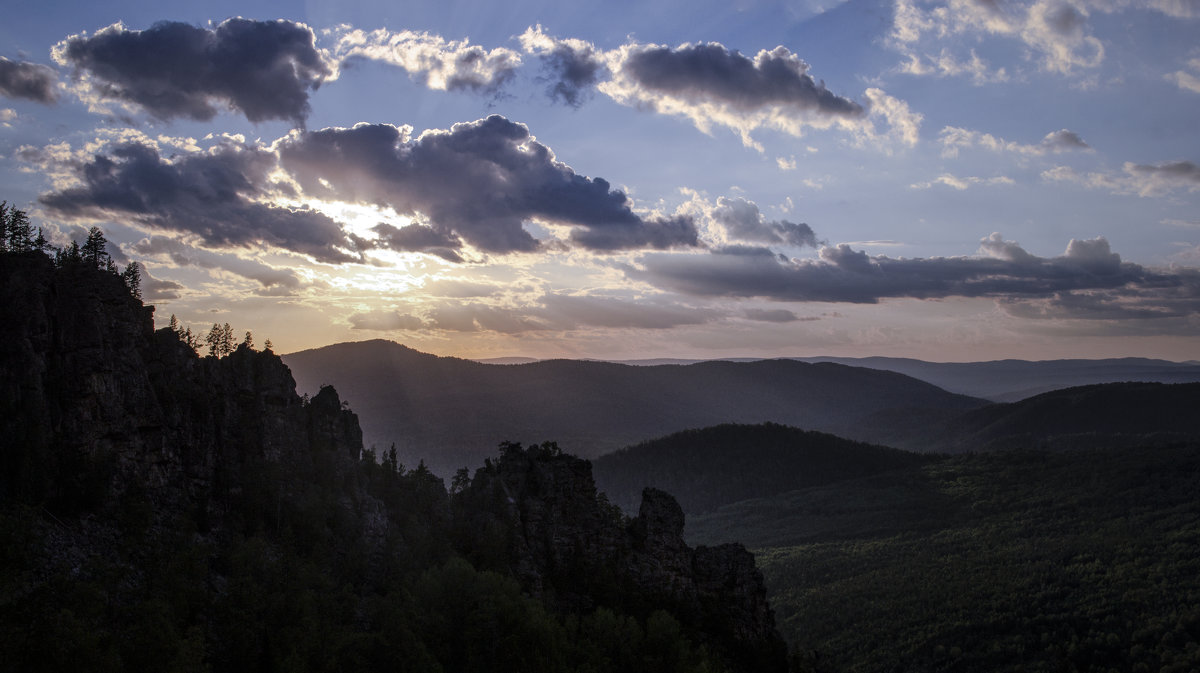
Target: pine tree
<point>268,345</point>
<point>94,249</point>
<point>248,342</point>
<point>18,232</point>
<point>133,279</point>
<point>4,208</point>
<point>227,342</point>
<point>174,325</point>
<point>213,340</point>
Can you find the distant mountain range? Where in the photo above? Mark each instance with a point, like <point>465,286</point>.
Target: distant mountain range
<point>995,380</point>
<point>451,412</point>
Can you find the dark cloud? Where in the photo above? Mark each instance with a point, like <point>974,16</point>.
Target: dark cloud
<point>480,181</point>
<point>264,69</point>
<point>158,289</point>
<point>743,221</point>
<point>210,195</point>
<point>182,254</point>
<point>1063,140</point>
<point>595,311</point>
<point>572,73</point>
<point>770,315</point>
<point>386,321</point>
<point>1001,270</point>
<point>1171,298</point>
<point>419,238</point>
<point>571,67</point>
<point>1175,171</point>
<point>713,72</point>
<point>31,81</point>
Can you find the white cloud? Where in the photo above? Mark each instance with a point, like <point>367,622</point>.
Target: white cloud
<point>1056,32</point>
<point>954,138</point>
<point>1142,179</point>
<point>441,64</point>
<point>1189,81</point>
<point>962,183</point>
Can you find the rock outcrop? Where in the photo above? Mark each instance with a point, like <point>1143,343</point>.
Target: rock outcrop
<point>94,401</point>
<point>570,546</point>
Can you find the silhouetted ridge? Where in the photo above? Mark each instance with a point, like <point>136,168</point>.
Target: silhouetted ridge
<point>1107,414</point>
<point>448,411</point>
<point>715,466</point>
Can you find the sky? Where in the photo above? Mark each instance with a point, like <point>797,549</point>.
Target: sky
<point>952,181</point>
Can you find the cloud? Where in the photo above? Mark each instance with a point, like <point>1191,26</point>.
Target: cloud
<point>713,85</point>
<point>572,67</point>
<point>418,238</point>
<point>1141,179</point>
<point>596,311</point>
<point>1170,306</point>
<point>158,289</point>
<point>481,317</point>
<point>459,289</point>
<point>945,64</point>
<point>31,81</point>
<point>1056,33</point>
<point>480,181</point>
<point>777,315</point>
<point>961,183</point>
<point>1188,80</point>
<point>213,195</point>
<point>182,254</point>
<point>440,64</point>
<point>263,69</point>
<point>386,321</point>
<point>1000,269</point>
<point>954,139</point>
<point>742,221</point>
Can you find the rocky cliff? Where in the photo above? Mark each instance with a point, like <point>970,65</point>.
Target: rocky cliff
<point>570,546</point>
<point>94,401</point>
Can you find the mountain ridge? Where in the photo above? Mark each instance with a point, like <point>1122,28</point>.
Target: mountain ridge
<point>419,401</point>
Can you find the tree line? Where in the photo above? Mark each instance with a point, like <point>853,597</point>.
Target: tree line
<point>17,237</point>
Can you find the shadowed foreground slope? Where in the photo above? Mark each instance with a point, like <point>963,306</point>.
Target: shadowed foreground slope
<point>162,511</point>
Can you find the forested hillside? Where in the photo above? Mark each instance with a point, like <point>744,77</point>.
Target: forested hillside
<point>165,511</point>
<point>710,467</point>
<point>1082,560</point>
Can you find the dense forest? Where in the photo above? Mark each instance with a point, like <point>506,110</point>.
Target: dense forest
<point>1019,560</point>
<point>723,464</point>
<point>163,510</point>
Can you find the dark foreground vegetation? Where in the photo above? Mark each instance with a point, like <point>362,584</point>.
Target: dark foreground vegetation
<point>1083,560</point>
<point>165,511</point>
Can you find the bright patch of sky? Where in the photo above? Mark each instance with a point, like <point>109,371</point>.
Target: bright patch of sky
<point>942,179</point>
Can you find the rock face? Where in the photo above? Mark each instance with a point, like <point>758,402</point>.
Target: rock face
<point>568,545</point>
<point>94,401</point>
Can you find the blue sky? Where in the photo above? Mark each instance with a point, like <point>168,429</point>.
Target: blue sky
<point>962,180</point>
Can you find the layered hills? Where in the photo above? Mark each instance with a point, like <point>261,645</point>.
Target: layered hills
<point>449,412</point>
